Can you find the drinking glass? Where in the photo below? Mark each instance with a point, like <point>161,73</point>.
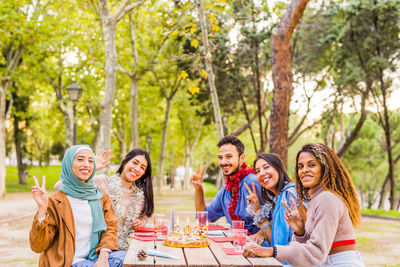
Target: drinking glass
<point>160,224</point>
<point>239,239</point>
<point>202,218</point>
<point>237,224</point>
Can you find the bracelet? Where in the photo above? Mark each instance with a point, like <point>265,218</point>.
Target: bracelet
<point>266,225</point>
<point>274,251</point>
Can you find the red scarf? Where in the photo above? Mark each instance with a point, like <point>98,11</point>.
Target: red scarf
<point>232,185</point>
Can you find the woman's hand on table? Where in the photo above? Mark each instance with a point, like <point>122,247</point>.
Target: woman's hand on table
<point>256,250</point>
<point>258,237</point>
<point>136,225</point>
<point>294,219</point>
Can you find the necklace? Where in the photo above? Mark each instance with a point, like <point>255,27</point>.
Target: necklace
<point>128,213</point>
<point>232,185</point>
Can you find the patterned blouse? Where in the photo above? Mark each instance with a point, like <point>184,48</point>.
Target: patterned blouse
<point>127,205</point>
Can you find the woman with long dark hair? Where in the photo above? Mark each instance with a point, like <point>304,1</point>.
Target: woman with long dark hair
<point>325,236</point>
<point>276,187</point>
<point>131,191</point>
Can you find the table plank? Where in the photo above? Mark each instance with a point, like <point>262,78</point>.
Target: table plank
<point>181,262</point>
<point>260,262</point>
<point>131,259</point>
<point>227,260</point>
<point>200,257</point>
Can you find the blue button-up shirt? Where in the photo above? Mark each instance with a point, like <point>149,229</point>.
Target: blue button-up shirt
<point>219,206</point>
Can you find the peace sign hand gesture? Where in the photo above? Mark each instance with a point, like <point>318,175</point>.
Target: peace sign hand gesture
<point>294,218</point>
<point>103,159</point>
<point>40,195</point>
<point>197,179</point>
<point>252,198</point>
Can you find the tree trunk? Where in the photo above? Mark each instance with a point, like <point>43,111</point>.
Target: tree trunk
<point>18,136</point>
<point>188,163</point>
<point>111,76</point>
<point>160,180</point>
<point>349,139</point>
<point>281,55</point>
<point>208,63</point>
<point>134,113</point>
<point>3,88</point>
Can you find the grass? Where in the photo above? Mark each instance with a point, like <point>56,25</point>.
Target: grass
<point>52,174</point>
<point>382,213</point>
<point>210,190</point>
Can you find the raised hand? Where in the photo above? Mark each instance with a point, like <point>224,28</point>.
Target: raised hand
<point>40,195</point>
<point>294,219</point>
<point>103,159</point>
<point>197,179</point>
<point>255,250</point>
<point>252,198</point>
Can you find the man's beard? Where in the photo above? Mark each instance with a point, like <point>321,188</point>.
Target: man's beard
<point>234,171</point>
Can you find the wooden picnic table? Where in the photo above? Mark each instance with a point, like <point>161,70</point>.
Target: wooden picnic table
<point>212,255</point>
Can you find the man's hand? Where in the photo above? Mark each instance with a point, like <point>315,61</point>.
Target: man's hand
<point>102,261</point>
<point>255,250</point>
<point>197,179</point>
<point>252,198</point>
<point>294,218</point>
<point>103,159</point>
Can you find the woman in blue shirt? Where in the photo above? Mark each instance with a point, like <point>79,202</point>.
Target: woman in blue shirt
<point>276,187</point>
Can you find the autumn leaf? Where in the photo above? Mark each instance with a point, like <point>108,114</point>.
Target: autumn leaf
<point>174,33</point>
<point>194,43</point>
<point>204,74</point>
<point>194,90</point>
<point>214,28</point>
<point>183,75</point>
<point>209,5</point>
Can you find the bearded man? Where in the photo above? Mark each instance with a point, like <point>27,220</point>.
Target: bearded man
<point>231,199</point>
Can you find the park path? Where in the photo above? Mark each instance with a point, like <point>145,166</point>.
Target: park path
<point>378,240</point>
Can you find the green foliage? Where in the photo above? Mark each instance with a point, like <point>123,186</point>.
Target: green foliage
<point>382,213</point>
<point>52,174</point>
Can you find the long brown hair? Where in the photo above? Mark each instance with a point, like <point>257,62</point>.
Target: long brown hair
<point>275,161</point>
<point>335,178</point>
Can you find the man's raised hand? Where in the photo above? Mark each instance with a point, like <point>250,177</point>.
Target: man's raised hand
<point>197,178</point>
<point>252,198</point>
<point>40,195</point>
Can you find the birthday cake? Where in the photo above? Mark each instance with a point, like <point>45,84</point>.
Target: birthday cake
<point>197,239</point>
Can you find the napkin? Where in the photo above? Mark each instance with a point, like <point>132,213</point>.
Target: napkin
<point>145,230</point>
<point>220,239</point>
<point>232,251</point>
<point>148,238</point>
<point>216,227</point>
<point>214,233</point>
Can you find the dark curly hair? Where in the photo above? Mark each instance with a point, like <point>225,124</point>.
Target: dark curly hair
<point>334,178</point>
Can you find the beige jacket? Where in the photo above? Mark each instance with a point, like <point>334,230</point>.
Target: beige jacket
<point>55,237</point>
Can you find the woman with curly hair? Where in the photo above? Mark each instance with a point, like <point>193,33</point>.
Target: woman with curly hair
<point>325,236</point>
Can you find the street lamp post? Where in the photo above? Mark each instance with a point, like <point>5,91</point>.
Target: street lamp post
<point>148,142</point>
<point>74,93</point>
